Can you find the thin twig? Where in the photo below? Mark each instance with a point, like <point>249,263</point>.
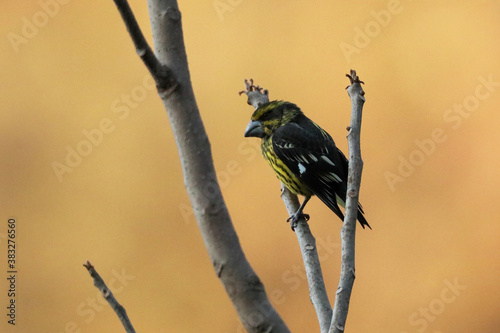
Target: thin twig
<point>108,296</point>
<point>307,244</point>
<point>348,232</point>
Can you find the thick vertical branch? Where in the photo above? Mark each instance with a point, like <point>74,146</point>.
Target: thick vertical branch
<point>174,86</point>
<point>348,232</point>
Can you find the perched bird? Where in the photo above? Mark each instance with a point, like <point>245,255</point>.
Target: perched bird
<point>303,156</point>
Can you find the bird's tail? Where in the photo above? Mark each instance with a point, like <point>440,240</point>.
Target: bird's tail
<point>334,206</point>
<point>361,218</point>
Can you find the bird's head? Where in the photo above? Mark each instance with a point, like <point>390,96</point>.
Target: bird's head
<point>269,117</point>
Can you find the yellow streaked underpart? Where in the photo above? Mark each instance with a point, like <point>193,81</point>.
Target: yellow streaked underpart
<point>283,172</point>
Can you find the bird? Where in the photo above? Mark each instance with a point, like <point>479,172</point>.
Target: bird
<point>303,156</point>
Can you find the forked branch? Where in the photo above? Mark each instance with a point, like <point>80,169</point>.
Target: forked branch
<point>168,66</point>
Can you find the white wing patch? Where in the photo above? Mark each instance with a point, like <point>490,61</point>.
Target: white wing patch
<point>327,160</point>
<point>335,177</point>
<point>301,158</point>
<point>313,157</point>
<point>325,178</point>
<point>302,168</point>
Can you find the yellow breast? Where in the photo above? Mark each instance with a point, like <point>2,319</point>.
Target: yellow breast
<point>284,174</point>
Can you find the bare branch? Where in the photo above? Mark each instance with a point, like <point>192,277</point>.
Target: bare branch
<point>348,232</point>
<point>307,243</point>
<point>174,85</point>
<point>317,290</point>
<point>108,296</point>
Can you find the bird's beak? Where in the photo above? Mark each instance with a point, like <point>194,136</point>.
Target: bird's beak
<point>255,129</point>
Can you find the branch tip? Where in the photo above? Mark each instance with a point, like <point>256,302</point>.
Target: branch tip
<point>88,265</point>
<point>250,87</point>
<point>353,77</point>
<point>257,95</point>
<point>108,296</point>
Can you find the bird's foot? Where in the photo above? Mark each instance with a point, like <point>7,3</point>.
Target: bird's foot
<point>294,219</point>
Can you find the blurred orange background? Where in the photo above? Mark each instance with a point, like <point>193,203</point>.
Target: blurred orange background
<point>71,81</point>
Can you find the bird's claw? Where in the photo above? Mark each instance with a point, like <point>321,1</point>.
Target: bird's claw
<point>294,219</point>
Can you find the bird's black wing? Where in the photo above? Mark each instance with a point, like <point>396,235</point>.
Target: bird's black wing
<point>310,153</point>
<point>361,217</point>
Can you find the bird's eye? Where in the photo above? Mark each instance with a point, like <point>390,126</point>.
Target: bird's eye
<point>265,116</point>
<point>271,114</point>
